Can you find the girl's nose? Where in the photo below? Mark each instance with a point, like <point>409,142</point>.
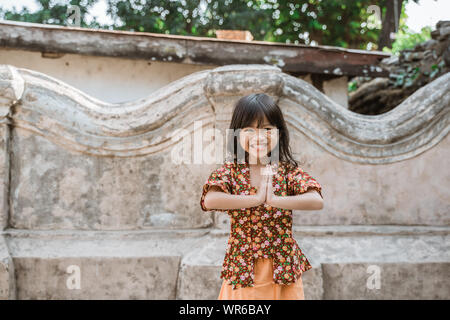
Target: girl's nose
<point>262,135</point>
<point>260,138</point>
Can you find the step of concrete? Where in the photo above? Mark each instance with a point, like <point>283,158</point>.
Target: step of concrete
<point>345,267</point>
<point>97,265</point>
<point>7,289</point>
<point>351,263</point>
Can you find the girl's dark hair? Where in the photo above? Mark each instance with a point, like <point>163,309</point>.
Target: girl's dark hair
<point>246,110</point>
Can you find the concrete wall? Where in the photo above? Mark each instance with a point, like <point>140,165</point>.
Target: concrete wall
<point>108,79</point>
<point>334,88</point>
<point>101,168</point>
<point>337,90</point>
<point>97,185</point>
<point>119,80</point>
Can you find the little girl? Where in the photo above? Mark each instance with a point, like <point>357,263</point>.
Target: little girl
<point>262,260</point>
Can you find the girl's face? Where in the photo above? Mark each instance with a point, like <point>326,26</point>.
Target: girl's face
<point>258,142</point>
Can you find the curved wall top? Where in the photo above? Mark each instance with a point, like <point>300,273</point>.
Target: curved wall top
<point>49,107</point>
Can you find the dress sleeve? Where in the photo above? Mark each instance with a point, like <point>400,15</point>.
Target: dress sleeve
<point>300,182</point>
<point>219,177</point>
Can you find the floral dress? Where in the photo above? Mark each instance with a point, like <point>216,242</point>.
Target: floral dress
<point>262,231</point>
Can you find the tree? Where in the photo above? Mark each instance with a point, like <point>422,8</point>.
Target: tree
<point>51,14</point>
<point>390,24</point>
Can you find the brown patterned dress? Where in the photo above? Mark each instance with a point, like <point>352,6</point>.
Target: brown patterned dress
<point>262,231</point>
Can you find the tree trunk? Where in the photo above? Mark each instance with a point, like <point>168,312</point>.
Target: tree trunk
<point>390,23</point>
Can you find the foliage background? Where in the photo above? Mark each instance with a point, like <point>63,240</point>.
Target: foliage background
<point>342,23</point>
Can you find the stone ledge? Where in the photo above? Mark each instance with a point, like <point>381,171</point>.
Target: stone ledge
<point>209,248</point>
<point>101,244</point>
<point>200,268</point>
<point>186,264</point>
<point>335,281</point>
<point>356,230</point>
<point>146,234</point>
<point>7,289</point>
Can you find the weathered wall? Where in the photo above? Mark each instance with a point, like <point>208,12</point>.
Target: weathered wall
<point>110,79</point>
<point>76,163</point>
<point>96,184</point>
<point>336,89</point>
<point>116,80</point>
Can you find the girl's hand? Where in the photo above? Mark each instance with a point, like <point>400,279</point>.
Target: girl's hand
<point>309,200</point>
<point>262,190</point>
<point>272,199</point>
<point>270,196</point>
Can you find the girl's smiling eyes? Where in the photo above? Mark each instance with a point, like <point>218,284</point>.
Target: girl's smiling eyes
<point>252,131</point>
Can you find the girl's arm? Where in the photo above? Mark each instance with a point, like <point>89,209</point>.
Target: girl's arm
<point>310,200</point>
<point>221,200</point>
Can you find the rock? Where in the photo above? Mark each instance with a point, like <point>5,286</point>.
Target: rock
<point>445,31</point>
<point>441,46</point>
<point>369,87</point>
<point>408,71</point>
<point>446,56</point>
<point>442,24</point>
<point>418,56</point>
<point>425,45</point>
<point>392,60</point>
<point>435,34</point>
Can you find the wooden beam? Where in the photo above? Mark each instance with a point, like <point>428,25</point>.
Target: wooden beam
<point>295,59</point>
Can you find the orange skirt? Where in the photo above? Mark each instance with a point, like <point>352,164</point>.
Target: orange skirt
<point>264,288</point>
